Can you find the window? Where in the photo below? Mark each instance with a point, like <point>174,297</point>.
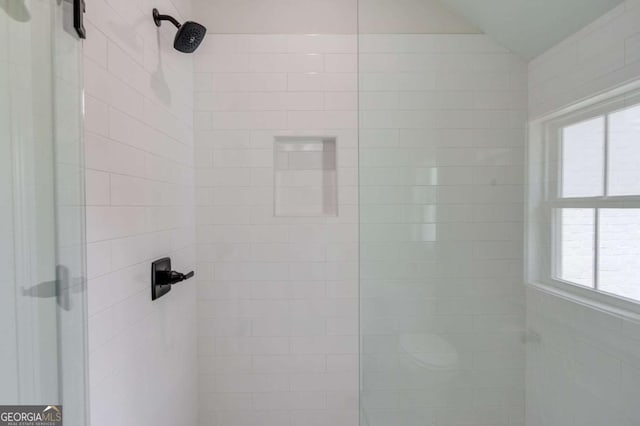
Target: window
<point>593,199</point>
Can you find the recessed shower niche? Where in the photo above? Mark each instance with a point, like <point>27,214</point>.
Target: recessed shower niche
<point>305,176</point>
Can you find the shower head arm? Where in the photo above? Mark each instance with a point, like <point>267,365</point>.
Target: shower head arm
<point>157,18</point>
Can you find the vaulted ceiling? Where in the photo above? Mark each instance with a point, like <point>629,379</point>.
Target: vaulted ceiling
<point>530,27</point>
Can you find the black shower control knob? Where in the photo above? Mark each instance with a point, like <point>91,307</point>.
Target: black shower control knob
<point>163,277</point>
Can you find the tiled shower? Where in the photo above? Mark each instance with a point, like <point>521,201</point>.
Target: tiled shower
<point>441,204</point>
<point>359,188</point>
<point>370,193</point>
<point>278,276</point>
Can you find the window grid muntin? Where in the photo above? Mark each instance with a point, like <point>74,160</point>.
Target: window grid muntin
<point>558,202</point>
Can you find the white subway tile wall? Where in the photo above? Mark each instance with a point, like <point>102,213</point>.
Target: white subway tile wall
<point>583,366</point>
<point>441,172</point>
<point>600,56</point>
<point>442,137</point>
<point>278,296</point>
<point>140,207</point>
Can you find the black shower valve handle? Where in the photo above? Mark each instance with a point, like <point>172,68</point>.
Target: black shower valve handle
<point>173,277</point>
<point>163,277</point>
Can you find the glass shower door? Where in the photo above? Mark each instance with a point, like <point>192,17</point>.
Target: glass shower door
<point>42,285</point>
<point>441,213</point>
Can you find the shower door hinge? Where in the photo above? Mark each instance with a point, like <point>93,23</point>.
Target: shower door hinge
<point>79,7</point>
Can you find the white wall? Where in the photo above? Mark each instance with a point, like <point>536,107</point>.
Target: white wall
<point>441,190</point>
<point>8,353</point>
<point>278,296</point>
<point>278,16</point>
<point>139,160</point>
<point>585,368</point>
<point>602,55</point>
<point>530,27</point>
<point>410,16</point>
<point>329,17</point>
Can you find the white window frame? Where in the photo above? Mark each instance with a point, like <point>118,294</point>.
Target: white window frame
<point>544,201</point>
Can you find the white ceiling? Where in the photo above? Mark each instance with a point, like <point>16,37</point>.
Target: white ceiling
<point>411,16</point>
<point>330,16</point>
<point>530,27</point>
<point>527,27</point>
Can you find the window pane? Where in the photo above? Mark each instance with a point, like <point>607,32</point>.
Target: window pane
<point>577,246</point>
<point>619,241</point>
<point>583,159</point>
<point>624,152</point>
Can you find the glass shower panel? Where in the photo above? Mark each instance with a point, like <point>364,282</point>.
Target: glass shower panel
<point>441,192</point>
<point>42,293</point>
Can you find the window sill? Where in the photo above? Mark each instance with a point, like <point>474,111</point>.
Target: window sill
<point>593,299</point>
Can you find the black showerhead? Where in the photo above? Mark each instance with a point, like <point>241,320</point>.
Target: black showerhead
<point>189,35</point>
